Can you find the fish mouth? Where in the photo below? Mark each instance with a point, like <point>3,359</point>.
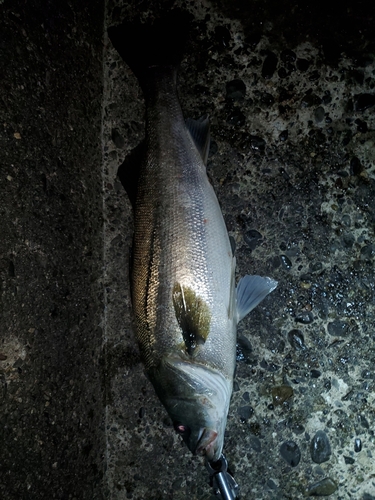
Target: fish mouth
<point>207,444</point>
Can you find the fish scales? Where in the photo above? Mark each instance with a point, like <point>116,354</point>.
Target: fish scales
<point>180,235</point>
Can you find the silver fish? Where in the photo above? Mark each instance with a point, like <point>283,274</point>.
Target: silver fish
<point>185,301</point>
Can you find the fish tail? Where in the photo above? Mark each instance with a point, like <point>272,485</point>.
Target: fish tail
<point>144,45</point>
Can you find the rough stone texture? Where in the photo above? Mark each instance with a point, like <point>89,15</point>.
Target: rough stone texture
<point>51,399</point>
<point>292,162</point>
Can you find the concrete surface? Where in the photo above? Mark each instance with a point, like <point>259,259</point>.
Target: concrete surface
<point>51,251</point>
<point>290,92</point>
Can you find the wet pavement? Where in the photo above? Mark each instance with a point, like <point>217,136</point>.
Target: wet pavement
<point>291,98</point>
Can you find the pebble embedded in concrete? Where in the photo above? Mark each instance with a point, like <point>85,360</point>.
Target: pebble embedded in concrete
<point>291,453</point>
<point>281,393</point>
<point>322,488</point>
<point>320,448</point>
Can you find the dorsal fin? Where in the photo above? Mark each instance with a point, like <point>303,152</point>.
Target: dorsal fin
<point>129,171</point>
<point>200,133</point>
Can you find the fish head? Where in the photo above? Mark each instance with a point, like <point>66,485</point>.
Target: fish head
<point>196,398</point>
<point>200,437</point>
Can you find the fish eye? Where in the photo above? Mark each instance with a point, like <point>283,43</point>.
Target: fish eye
<point>182,429</point>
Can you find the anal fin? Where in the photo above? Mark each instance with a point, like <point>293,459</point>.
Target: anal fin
<point>200,133</point>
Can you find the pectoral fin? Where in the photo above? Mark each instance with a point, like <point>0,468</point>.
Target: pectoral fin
<point>251,290</point>
<point>193,316</point>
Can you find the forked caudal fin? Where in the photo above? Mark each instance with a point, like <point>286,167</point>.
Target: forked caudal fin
<point>146,45</point>
<point>251,290</point>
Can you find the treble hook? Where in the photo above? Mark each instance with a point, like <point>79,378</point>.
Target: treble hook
<point>223,483</point>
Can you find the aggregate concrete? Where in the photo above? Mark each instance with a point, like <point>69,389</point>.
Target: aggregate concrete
<point>290,93</point>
